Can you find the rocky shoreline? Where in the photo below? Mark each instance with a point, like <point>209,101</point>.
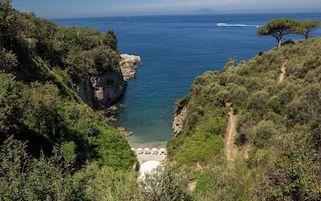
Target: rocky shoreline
<point>102,91</point>
<point>124,132</point>
<point>128,65</point>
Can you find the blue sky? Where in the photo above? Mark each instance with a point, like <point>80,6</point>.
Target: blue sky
<point>88,8</point>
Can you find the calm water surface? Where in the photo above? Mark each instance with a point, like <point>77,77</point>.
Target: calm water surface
<point>174,51</point>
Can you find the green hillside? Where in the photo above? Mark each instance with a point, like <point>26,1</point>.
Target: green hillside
<point>274,100</point>
<point>48,136</point>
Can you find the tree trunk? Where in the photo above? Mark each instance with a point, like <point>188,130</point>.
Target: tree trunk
<point>279,42</point>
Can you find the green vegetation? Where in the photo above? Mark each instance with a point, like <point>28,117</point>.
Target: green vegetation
<point>280,27</point>
<point>24,177</point>
<point>308,26</point>
<point>50,140</point>
<point>278,134</point>
<point>165,183</point>
<point>72,53</point>
<point>52,145</point>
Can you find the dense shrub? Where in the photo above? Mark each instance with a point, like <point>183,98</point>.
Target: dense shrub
<point>166,183</point>
<point>52,145</point>
<point>23,177</point>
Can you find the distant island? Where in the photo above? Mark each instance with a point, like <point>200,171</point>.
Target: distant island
<point>204,11</point>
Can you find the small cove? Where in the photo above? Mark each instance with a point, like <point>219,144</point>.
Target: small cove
<point>174,51</point>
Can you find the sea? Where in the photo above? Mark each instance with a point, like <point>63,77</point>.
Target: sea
<point>174,51</point>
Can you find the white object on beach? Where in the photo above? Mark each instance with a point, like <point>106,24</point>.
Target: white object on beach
<point>139,151</point>
<point>162,151</point>
<point>147,150</point>
<point>155,151</point>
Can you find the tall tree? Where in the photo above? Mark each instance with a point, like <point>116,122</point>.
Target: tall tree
<point>5,7</point>
<point>308,26</point>
<point>278,29</point>
<point>8,24</point>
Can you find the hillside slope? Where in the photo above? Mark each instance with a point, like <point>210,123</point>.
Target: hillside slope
<point>53,146</point>
<point>43,66</point>
<point>276,96</point>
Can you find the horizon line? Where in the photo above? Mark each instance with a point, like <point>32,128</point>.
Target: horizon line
<point>181,14</point>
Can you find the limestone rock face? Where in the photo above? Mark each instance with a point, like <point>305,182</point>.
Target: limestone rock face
<point>179,119</point>
<point>101,91</point>
<point>128,65</point>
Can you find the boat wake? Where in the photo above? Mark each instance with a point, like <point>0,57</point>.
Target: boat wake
<point>236,25</point>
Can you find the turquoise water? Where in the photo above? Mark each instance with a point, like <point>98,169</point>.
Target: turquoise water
<point>174,51</point>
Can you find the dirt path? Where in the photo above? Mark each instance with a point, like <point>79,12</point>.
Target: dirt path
<point>229,147</point>
<point>283,71</point>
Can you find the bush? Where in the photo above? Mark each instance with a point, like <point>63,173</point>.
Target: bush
<point>288,42</point>
<point>106,184</point>
<point>23,177</point>
<point>166,184</point>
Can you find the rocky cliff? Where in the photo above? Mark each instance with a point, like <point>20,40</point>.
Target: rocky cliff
<point>180,115</point>
<point>179,119</point>
<point>102,91</point>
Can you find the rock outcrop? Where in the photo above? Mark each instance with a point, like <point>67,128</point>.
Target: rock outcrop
<point>111,111</point>
<point>128,65</point>
<point>124,132</point>
<point>179,119</point>
<point>101,91</point>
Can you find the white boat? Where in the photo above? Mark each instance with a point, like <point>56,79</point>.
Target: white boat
<point>221,24</point>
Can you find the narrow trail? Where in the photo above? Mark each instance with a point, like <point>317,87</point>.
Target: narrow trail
<point>229,147</point>
<point>283,71</point>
